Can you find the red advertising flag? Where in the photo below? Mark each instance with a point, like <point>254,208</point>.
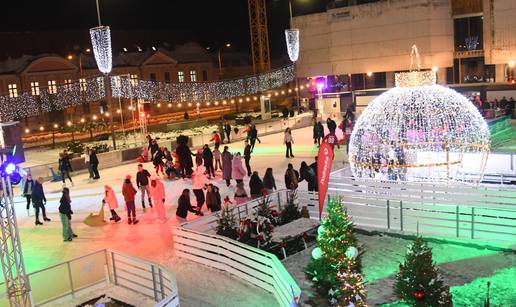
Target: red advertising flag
<point>324,161</point>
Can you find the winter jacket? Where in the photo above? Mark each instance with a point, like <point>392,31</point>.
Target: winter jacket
<point>308,174</point>
<point>207,155</point>
<point>157,192</point>
<point>65,207</point>
<point>64,164</point>
<point>199,180</point>
<point>227,128</point>
<point>288,138</point>
<point>183,206</point>
<point>153,147</point>
<point>320,130</point>
<point>157,159</point>
<point>255,185</point>
<point>110,198</point>
<point>291,179</point>
<point>93,158</point>
<point>269,183</point>
<point>213,200</point>
<point>129,192</point>
<point>38,196</point>
<point>27,187</point>
<point>142,178</point>
<point>227,165</point>
<point>185,155</point>
<point>237,171</point>
<point>215,139</point>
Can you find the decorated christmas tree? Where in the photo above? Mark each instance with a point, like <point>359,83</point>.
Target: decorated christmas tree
<point>351,290</point>
<point>336,252</point>
<point>226,223</point>
<point>418,281</point>
<point>264,209</point>
<point>291,211</point>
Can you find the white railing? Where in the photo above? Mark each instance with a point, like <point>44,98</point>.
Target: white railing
<point>93,272</point>
<point>253,265</point>
<point>485,212</point>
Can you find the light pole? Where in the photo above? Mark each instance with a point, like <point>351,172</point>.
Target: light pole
<point>219,56</point>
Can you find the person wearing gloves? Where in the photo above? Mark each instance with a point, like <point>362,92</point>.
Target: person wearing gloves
<point>129,193</point>
<point>110,199</point>
<point>184,205</point>
<point>157,193</point>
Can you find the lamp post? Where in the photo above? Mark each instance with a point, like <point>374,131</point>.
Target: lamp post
<point>101,43</point>
<point>219,56</point>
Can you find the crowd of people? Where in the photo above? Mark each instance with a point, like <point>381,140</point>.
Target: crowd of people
<point>503,104</point>
<point>201,167</point>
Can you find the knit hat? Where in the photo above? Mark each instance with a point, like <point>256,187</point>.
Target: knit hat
<point>128,177</point>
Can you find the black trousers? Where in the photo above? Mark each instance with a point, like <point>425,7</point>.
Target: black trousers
<point>248,166</point>
<point>227,135</point>
<point>289,150</point>
<point>65,174</point>
<point>28,197</point>
<point>39,206</point>
<point>253,141</point>
<point>95,168</point>
<point>199,197</point>
<point>131,209</point>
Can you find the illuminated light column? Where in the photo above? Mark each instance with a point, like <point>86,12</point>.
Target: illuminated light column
<point>101,43</point>
<point>320,104</point>
<point>292,39</point>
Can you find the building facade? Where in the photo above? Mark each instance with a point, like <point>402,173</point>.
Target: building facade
<point>361,44</point>
<point>32,74</point>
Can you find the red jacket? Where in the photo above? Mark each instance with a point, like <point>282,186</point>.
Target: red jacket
<point>128,191</point>
<point>215,138</point>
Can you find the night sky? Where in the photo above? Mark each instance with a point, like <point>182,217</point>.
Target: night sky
<point>207,22</point>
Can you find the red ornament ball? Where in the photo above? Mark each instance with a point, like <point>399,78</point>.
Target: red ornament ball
<point>419,295</point>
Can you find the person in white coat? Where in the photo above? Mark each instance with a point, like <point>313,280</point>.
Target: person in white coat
<point>157,193</point>
<point>199,182</point>
<point>110,199</point>
<point>237,169</point>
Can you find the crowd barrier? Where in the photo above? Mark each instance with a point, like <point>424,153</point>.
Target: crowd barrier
<point>94,273</point>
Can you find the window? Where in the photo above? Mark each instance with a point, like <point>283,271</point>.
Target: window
<point>34,87</point>
<point>134,79</point>
<point>82,84</point>
<point>68,84</point>
<point>204,75</point>
<point>167,76</point>
<point>13,91</point>
<point>152,77</point>
<point>193,76</point>
<point>52,87</point>
<point>181,76</point>
<point>468,33</point>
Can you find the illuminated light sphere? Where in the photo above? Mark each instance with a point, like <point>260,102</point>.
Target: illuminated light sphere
<point>292,38</point>
<point>27,130</point>
<point>179,105</point>
<point>169,105</point>
<point>41,128</point>
<point>159,105</point>
<point>419,131</point>
<point>101,43</point>
<point>189,104</point>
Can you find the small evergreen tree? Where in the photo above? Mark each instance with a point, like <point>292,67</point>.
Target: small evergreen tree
<point>335,238</point>
<point>291,211</point>
<point>351,290</point>
<point>264,221</point>
<point>264,209</point>
<point>418,282</point>
<point>226,223</point>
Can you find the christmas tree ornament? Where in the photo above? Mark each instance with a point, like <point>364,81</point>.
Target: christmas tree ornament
<point>316,253</point>
<point>419,295</point>
<point>351,252</point>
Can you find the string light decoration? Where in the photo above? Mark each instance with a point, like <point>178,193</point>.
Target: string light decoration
<point>292,38</point>
<point>419,132</point>
<point>92,90</point>
<point>101,43</point>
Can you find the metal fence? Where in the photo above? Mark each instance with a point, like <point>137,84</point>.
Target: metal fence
<point>92,272</point>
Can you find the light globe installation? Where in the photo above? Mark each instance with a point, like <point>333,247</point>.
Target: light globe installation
<point>419,131</point>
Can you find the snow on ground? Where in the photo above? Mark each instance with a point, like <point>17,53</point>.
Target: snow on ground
<point>465,268</point>
<point>43,245</point>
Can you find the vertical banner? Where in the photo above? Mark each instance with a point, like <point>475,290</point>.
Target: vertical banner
<point>324,161</point>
